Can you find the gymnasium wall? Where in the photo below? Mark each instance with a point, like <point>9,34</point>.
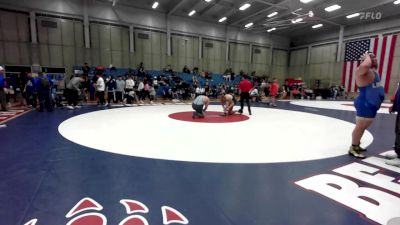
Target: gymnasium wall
<point>261,60</point>
<point>58,46</point>
<point>214,57</point>
<point>64,45</point>
<point>367,28</point>
<point>109,40</point>
<point>15,39</point>
<point>323,65</point>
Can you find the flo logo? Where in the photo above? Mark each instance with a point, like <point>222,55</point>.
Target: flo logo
<point>88,211</point>
<point>370,15</point>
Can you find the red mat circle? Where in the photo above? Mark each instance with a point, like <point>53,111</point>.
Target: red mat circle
<point>210,117</point>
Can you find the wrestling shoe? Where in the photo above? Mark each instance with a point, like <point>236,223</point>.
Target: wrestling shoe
<point>358,148</point>
<point>393,162</point>
<point>354,151</point>
<point>391,155</point>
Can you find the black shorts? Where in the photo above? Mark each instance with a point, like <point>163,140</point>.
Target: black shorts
<point>198,108</point>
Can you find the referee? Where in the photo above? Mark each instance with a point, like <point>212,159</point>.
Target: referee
<point>245,87</point>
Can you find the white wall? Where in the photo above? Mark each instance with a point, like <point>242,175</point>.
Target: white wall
<point>367,28</point>
<point>14,39</point>
<point>146,18</point>
<point>106,39</point>
<point>325,67</point>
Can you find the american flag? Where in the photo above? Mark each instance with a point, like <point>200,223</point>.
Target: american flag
<point>383,47</point>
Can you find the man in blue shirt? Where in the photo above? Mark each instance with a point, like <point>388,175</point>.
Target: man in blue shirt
<point>394,158</point>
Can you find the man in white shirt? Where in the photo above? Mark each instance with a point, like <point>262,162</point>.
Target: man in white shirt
<point>129,92</point>
<point>100,85</point>
<point>254,95</point>
<point>141,91</point>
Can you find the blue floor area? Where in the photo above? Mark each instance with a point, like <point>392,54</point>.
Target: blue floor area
<point>43,176</point>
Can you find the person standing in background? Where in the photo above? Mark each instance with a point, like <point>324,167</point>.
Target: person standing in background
<point>394,158</point>
<point>29,92</point>
<point>273,92</point>
<point>140,70</point>
<point>87,83</point>
<point>86,69</point>
<point>111,87</point>
<point>45,99</point>
<point>72,92</point>
<point>119,92</point>
<point>140,91</point>
<point>100,86</point>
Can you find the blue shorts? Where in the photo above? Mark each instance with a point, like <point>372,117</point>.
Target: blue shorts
<point>364,109</point>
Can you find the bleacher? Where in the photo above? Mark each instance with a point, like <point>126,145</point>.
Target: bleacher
<point>216,79</point>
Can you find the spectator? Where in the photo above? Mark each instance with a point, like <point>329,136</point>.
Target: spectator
<point>86,69</point>
<point>274,88</point>
<point>394,158</point>
<point>119,91</point>
<point>45,94</point>
<point>168,69</point>
<point>146,90</point>
<point>152,94</point>
<point>199,91</point>
<point>140,91</point>
<point>185,69</point>
<point>196,70</point>
<point>254,95</point>
<point>72,92</point>
<point>155,83</point>
<point>111,87</point>
<point>130,94</point>
<point>29,92</point>
<point>141,72</point>
<point>167,92</point>
<point>100,87</point>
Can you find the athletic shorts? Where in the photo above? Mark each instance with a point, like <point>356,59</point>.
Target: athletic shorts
<point>364,109</point>
<point>198,108</point>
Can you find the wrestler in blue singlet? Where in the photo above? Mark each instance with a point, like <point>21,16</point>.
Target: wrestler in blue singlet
<point>370,99</point>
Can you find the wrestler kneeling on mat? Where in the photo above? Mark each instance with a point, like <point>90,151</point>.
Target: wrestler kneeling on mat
<point>228,102</point>
<point>200,105</point>
<point>368,102</point>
